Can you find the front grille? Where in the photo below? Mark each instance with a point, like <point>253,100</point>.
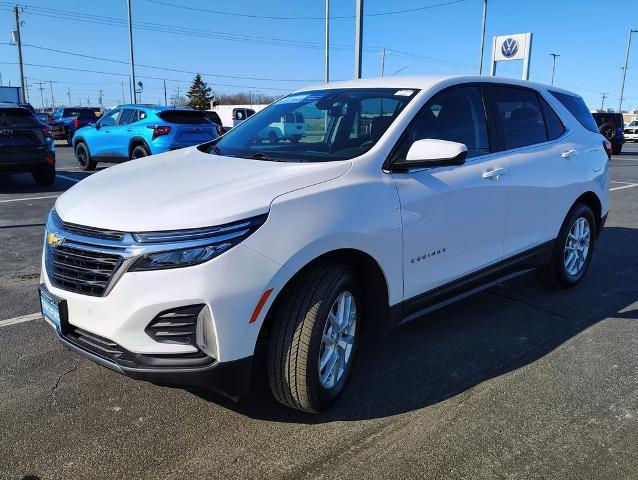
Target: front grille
<point>92,232</point>
<point>79,270</point>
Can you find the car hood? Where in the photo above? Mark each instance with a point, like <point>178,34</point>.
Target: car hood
<point>186,189</point>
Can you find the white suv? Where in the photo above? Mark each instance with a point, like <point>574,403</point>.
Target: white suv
<point>403,195</point>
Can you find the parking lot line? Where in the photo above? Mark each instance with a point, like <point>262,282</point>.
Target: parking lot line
<point>22,319</point>
<point>631,185</point>
<point>29,198</point>
<point>71,179</point>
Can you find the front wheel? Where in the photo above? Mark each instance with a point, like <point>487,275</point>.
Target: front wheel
<point>314,338</point>
<point>573,249</point>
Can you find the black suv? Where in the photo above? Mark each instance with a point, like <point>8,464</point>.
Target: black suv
<point>25,145</point>
<point>611,126</point>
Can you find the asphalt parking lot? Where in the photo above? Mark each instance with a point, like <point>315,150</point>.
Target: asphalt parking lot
<point>517,382</point>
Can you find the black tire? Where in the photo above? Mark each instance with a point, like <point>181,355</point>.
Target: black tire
<point>139,151</point>
<point>83,157</point>
<point>555,274</point>
<point>69,139</point>
<point>44,176</point>
<point>295,343</point>
<point>272,137</point>
<point>616,148</point>
<point>608,130</point>
<point>295,139</point>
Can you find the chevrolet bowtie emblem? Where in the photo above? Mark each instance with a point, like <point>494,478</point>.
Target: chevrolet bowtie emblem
<point>53,240</point>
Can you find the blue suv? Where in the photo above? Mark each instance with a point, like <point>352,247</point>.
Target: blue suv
<point>135,131</point>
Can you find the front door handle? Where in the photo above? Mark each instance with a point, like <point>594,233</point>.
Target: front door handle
<point>569,153</point>
<point>129,129</point>
<point>494,173</point>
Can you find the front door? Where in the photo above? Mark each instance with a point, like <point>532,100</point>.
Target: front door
<point>453,216</point>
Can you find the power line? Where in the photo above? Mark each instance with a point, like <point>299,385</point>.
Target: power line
<point>334,17</point>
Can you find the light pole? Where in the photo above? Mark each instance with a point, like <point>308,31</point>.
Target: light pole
<point>624,71</point>
<point>358,38</point>
<point>554,55</point>
<point>326,55</point>
<point>16,11</point>
<point>130,41</point>
<point>483,36</point>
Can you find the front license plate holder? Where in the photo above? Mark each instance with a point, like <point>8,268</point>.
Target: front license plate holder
<point>53,308</point>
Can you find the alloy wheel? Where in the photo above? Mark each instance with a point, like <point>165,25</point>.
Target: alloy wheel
<point>577,246</point>
<point>337,340</point>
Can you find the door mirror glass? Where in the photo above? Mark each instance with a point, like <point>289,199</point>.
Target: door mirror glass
<point>431,152</point>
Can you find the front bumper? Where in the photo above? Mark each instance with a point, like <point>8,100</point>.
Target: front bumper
<point>230,378</point>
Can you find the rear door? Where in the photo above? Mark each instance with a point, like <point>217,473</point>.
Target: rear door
<point>545,166</point>
<point>122,133</point>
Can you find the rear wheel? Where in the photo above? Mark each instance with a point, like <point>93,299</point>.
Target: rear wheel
<point>84,157</point>
<point>573,249</point>
<point>616,148</point>
<point>44,176</point>
<point>314,338</point>
<point>139,151</point>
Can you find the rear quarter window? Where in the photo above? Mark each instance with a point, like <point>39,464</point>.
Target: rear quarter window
<point>189,117</point>
<point>578,109</point>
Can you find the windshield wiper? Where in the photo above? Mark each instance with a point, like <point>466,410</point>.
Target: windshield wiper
<point>263,156</point>
<point>216,150</point>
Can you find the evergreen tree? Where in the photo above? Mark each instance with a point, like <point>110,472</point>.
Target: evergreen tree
<point>200,94</point>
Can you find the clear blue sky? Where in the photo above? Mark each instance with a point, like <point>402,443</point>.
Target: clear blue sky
<point>444,39</point>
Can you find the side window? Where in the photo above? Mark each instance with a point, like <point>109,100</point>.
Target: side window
<point>555,127</point>
<point>127,116</point>
<point>578,109</point>
<point>521,117</point>
<point>110,119</point>
<point>141,115</point>
<point>456,115</point>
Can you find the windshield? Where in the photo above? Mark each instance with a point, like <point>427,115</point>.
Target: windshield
<point>316,126</point>
<point>82,113</point>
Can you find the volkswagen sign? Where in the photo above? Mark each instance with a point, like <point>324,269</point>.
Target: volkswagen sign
<point>509,48</point>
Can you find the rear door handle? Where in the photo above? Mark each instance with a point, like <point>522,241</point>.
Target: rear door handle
<point>494,173</point>
<point>569,153</point>
<point>129,129</point>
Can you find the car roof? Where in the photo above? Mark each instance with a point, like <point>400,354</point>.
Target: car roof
<point>426,82</point>
<point>150,106</point>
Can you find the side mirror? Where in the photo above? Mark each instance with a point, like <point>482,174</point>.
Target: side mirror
<point>93,124</point>
<point>431,152</point>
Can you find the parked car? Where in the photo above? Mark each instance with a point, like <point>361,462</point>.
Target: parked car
<point>177,271</point>
<point>290,127</point>
<point>135,131</point>
<point>66,121</point>
<point>26,145</point>
<point>611,126</point>
<point>630,131</point>
<point>214,117</point>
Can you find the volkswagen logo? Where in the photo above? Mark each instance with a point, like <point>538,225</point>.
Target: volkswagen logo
<point>509,48</point>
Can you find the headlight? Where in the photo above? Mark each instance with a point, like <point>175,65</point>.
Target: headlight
<point>192,247</point>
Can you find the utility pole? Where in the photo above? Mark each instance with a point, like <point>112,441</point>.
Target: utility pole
<point>88,101</point>
<point>68,94</point>
<point>130,41</point>
<point>27,86</point>
<point>624,72</point>
<point>483,36</point>
<point>123,97</point>
<point>177,99</point>
<point>604,95</point>
<point>358,38</point>
<point>16,11</point>
<point>41,88</point>
<point>52,100</point>
<point>165,98</point>
<point>383,53</point>
<point>554,55</point>
<point>100,92</point>
<point>326,56</point>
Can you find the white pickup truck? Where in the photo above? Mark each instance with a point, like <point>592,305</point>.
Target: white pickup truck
<point>291,126</point>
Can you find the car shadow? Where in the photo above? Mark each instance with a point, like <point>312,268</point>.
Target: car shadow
<point>458,347</point>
